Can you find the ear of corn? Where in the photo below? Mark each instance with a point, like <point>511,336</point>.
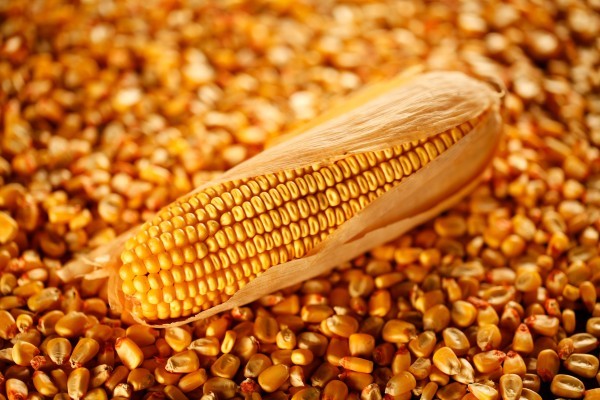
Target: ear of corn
<point>290,202</point>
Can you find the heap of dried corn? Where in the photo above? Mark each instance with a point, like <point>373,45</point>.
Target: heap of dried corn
<point>112,109</point>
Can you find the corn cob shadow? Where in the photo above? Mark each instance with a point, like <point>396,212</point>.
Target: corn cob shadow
<point>305,205</point>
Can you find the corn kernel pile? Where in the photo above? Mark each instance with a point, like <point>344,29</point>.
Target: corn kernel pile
<point>112,109</point>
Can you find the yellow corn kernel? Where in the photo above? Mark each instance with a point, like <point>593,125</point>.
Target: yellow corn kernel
<point>78,382</point>
<point>256,364</point>
<point>361,344</point>
<point>357,364</point>
<point>436,318</point>
<point>336,350</point>
<point>456,340</point>
<point>335,390</point>
<point>510,386</point>
<point>84,351</point>
<point>397,331</point>
<point>271,378</point>
<point>225,366</point>
<point>178,338</point>
<point>184,362</point>
<point>483,392</point>
<point>23,352</point>
<point>16,389</point>
<point>140,379</point>
<point>522,340</point>
<point>342,325</point>
<point>72,324</point>
<point>119,375</point>
<point>174,393</point>
<point>421,368</point>
<point>488,361</point>
<point>584,342</point>
<point>302,356</point>
<point>400,383</point>
<point>43,384</point>
<point>548,364</point>
<point>208,346</point>
<point>99,375</point>
<point>164,377</point>
<point>567,386</point>
<point>466,374</point>
<point>402,360</point>
<point>223,388</point>
<point>446,361</point>
<point>193,380</point>
<point>429,391</point>
<point>488,337</point>
<point>423,344</point>
<point>286,339</point>
<point>129,352</point>
<point>514,364</point>
<point>96,394</point>
<point>583,365</point>
<point>142,335</point>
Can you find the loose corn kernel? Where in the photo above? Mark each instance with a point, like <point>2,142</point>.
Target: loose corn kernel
<point>140,379</point>
<point>522,340</point>
<point>335,390</point>
<point>72,324</point>
<point>583,365</point>
<point>193,380</point>
<point>436,318</point>
<point>548,364</point>
<point>84,351</point>
<point>342,325</point>
<point>356,380</point>
<point>456,340</point>
<point>23,352</point>
<point>423,344</point>
<point>483,392</point>
<point>129,352</point>
<point>286,339</point>
<point>357,364</point>
<point>488,361</point>
<point>510,386</point>
<point>397,331</point>
<point>99,375</point>
<point>43,384</point>
<point>225,366</point>
<point>429,391</point>
<point>420,368</point>
<point>567,386</point>
<point>256,364</point>
<point>174,393</point>
<point>273,377</point>
<point>446,361</point>
<point>400,383</point>
<point>308,393</point>
<point>584,342</point>
<point>466,374</point>
<point>142,335</point>
<point>184,362</point>
<point>16,389</point>
<point>302,356</point>
<point>78,382</point>
<point>514,364</point>
<point>208,346</point>
<point>361,344</point>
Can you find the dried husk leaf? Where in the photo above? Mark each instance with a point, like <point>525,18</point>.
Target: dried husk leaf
<point>421,107</point>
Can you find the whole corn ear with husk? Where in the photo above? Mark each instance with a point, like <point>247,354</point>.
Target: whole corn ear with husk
<point>360,177</point>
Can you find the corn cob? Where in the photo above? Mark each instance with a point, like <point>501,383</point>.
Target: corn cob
<point>277,210</point>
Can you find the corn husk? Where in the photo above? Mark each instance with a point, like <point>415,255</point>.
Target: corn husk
<point>404,111</point>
